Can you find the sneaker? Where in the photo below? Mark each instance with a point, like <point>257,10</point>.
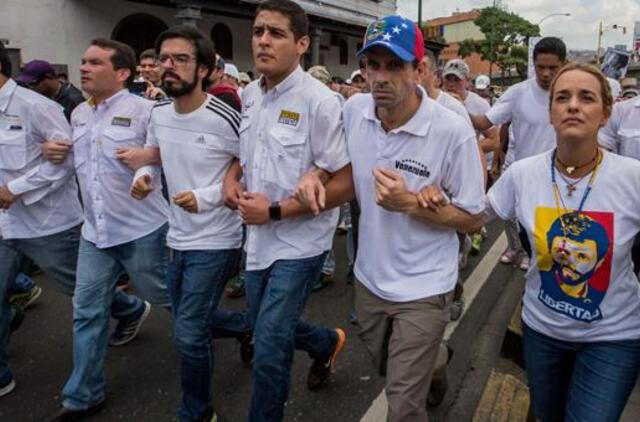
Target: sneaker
<point>246,348</point>
<point>71,415</point>
<point>17,317</point>
<point>438,388</point>
<point>7,388</point>
<point>343,228</point>
<point>128,330</point>
<point>321,369</point>
<point>508,256</point>
<point>524,263</point>
<point>457,308</point>
<point>476,243</point>
<point>26,299</point>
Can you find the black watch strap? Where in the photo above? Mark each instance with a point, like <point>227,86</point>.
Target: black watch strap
<point>275,212</point>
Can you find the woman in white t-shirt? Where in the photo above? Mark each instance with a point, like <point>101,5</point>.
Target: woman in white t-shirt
<point>580,207</point>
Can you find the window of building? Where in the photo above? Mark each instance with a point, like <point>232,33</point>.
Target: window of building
<point>344,51</point>
<point>139,31</point>
<point>222,40</point>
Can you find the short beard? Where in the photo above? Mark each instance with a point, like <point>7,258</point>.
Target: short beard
<point>180,88</point>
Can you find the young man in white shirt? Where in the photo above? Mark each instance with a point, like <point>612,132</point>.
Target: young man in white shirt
<point>400,141</point>
<point>290,123</point>
<point>197,135</point>
<point>526,106</point>
<point>119,233</point>
<point>41,214</point>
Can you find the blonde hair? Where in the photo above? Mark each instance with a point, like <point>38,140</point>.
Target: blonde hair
<point>605,88</point>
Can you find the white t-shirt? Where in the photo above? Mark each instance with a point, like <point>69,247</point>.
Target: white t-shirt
<point>622,133</point>
<point>447,101</point>
<point>477,105</point>
<point>603,304</point>
<point>197,149</point>
<point>401,258</point>
<point>526,106</point>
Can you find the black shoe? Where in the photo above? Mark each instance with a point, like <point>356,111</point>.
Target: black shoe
<point>320,371</point>
<point>128,330</point>
<point>69,415</point>
<point>17,317</point>
<point>246,348</point>
<point>438,389</point>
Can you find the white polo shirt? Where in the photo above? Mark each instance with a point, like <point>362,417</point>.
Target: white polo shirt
<point>284,133</point>
<point>622,133</point>
<point>197,149</point>
<point>401,258</point>
<point>475,104</point>
<point>112,216</point>
<point>526,106</point>
<point>48,195</point>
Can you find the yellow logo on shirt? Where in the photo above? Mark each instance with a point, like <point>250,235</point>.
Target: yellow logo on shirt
<point>290,118</point>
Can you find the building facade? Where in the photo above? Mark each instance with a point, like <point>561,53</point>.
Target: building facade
<point>60,30</point>
<point>455,29</point>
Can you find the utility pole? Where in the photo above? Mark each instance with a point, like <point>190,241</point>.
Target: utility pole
<point>600,31</point>
<point>420,14</point>
<point>491,46</point>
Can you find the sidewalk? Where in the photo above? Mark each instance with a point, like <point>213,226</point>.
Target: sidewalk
<point>632,411</point>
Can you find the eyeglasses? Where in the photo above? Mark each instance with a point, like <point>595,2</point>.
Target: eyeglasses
<point>176,59</point>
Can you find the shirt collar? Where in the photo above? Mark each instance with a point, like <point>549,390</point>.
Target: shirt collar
<point>637,101</point>
<point>288,82</point>
<point>109,101</point>
<point>5,94</point>
<point>417,125</point>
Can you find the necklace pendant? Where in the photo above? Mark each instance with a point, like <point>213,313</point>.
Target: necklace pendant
<point>571,169</point>
<point>570,190</point>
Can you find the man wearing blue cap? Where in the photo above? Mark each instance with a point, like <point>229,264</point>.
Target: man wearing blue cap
<point>400,141</point>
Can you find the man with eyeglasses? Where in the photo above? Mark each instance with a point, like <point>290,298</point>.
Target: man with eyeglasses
<point>197,135</point>
<point>119,233</point>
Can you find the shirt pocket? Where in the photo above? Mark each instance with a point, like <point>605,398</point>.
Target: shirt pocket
<point>630,143</point>
<point>80,146</point>
<point>283,164</point>
<point>13,149</point>
<point>112,140</point>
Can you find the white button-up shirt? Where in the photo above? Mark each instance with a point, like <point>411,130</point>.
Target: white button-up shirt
<point>112,216</point>
<point>622,133</point>
<point>48,195</point>
<point>197,149</point>
<point>284,133</point>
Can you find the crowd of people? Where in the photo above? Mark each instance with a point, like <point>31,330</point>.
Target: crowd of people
<point>180,172</point>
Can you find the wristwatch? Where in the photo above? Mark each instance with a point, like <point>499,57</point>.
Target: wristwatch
<point>275,212</point>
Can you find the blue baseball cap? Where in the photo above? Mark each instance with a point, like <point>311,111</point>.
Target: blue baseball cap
<point>395,33</point>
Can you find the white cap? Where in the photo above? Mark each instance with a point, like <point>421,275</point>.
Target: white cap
<point>482,82</point>
<point>231,70</point>
<point>355,74</point>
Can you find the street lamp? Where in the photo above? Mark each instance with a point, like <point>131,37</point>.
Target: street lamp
<point>553,14</point>
<point>601,30</point>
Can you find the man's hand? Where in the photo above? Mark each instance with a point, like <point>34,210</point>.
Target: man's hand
<point>6,197</point>
<point>187,201</point>
<point>310,190</point>
<point>135,158</point>
<point>142,187</point>
<point>56,150</point>
<point>254,208</point>
<point>431,197</point>
<point>154,93</point>
<point>391,191</point>
<point>232,191</point>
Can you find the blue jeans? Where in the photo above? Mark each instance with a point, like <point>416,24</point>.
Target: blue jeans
<point>276,298</point>
<point>196,280</point>
<point>579,382</point>
<point>145,261</point>
<point>56,255</point>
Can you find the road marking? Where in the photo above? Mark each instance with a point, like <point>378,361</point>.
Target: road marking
<point>377,412</point>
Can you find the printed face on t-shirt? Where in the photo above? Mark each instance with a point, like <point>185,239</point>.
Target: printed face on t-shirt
<point>574,253</point>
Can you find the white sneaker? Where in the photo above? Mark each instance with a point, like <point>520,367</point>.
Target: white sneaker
<point>8,388</point>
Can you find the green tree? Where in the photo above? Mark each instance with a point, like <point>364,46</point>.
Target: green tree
<point>506,38</point>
